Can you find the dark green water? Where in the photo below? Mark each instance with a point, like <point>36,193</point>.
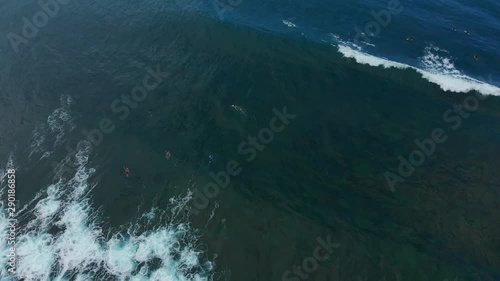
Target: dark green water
<point>321,176</point>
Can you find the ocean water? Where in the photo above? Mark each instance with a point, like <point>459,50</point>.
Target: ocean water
<point>342,150</point>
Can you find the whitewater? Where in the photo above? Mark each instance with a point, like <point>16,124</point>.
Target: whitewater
<point>61,235</point>
<point>435,67</point>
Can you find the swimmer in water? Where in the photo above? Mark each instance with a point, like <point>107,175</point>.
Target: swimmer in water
<point>409,39</point>
<point>467,32</point>
<point>125,169</point>
<point>454,28</point>
<point>167,154</point>
<point>476,57</point>
<point>210,159</point>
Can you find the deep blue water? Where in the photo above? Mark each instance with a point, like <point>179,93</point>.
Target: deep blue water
<point>430,23</point>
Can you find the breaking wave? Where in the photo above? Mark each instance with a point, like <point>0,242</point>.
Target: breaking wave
<point>435,68</point>
<point>60,236</point>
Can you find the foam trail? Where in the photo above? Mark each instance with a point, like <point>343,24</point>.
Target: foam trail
<point>52,132</point>
<point>289,23</point>
<point>441,70</point>
<point>435,69</point>
<point>38,140</point>
<point>61,119</point>
<point>212,214</point>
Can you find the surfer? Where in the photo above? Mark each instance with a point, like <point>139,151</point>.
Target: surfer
<point>210,159</point>
<point>167,155</point>
<point>476,57</point>
<point>125,169</point>
<point>467,32</point>
<point>409,39</point>
<point>454,28</point>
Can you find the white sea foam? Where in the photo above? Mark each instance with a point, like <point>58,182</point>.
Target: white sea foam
<point>47,207</point>
<point>364,58</point>
<point>289,23</point>
<point>35,256</point>
<point>50,134</point>
<point>436,68</point>
<point>38,140</point>
<point>369,44</point>
<point>63,239</point>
